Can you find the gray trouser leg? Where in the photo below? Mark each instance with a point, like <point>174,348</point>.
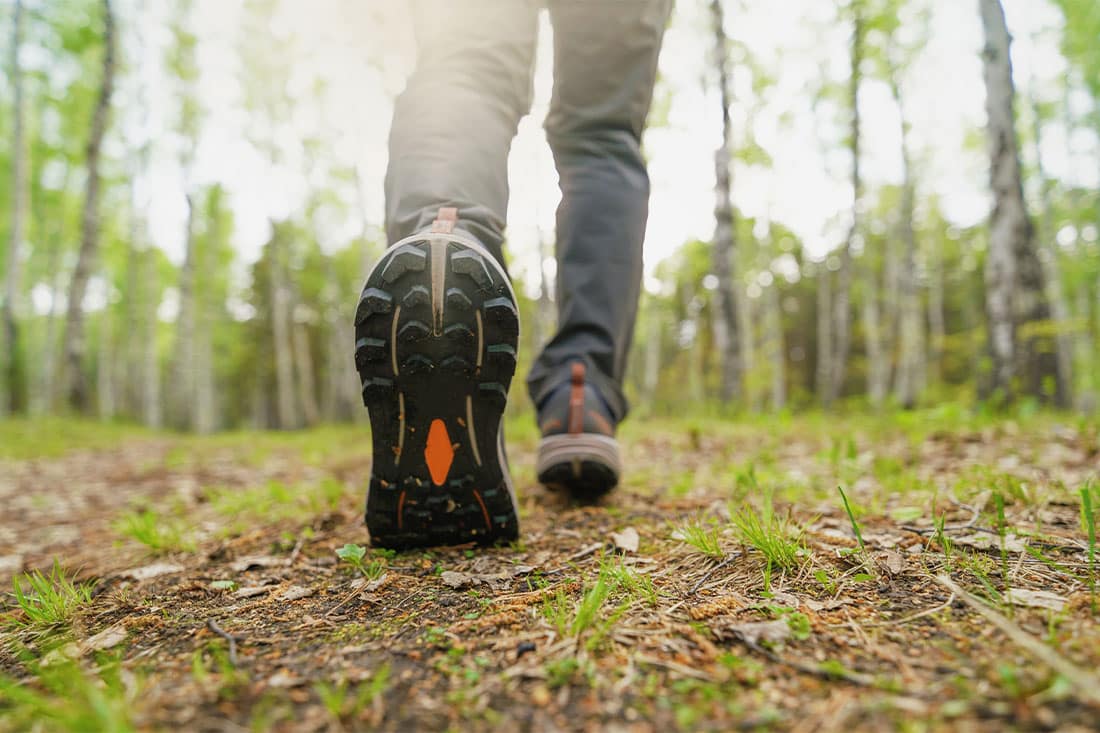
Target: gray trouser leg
<point>454,123</point>
<point>605,64</point>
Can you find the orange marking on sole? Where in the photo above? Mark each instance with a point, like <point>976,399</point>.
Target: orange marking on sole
<point>439,453</point>
<point>400,509</point>
<point>484,511</point>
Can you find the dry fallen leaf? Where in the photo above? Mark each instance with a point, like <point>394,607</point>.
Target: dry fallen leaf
<point>627,540</point>
<point>895,562</point>
<point>295,593</point>
<point>1035,599</point>
<point>152,571</point>
<point>10,565</point>
<point>249,591</point>
<point>754,632</point>
<point>983,541</point>
<point>257,561</point>
<point>109,637</point>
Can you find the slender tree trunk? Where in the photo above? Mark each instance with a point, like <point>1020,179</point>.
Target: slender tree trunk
<point>206,415</point>
<point>910,326</point>
<point>205,412</point>
<point>725,311</point>
<point>183,377</point>
<point>824,351</point>
<point>10,350</point>
<point>286,409</point>
<point>89,228</point>
<point>303,368</point>
<point>652,369</point>
<point>937,326</point>
<point>746,335</point>
<point>49,349</point>
<point>842,301</point>
<point>1052,272</point>
<point>877,369</point>
<point>545,312</point>
<point>105,367</point>
<point>152,414</point>
<point>1015,295</point>
<point>777,347</point>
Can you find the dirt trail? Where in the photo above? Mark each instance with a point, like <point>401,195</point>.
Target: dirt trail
<point>653,611</point>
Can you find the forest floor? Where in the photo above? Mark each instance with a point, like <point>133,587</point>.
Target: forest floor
<point>723,586</point>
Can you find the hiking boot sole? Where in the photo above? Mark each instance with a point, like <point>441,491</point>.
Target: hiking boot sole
<point>436,334</point>
<point>585,465</point>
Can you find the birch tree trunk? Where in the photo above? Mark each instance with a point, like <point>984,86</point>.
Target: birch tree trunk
<point>823,378</point>
<point>937,326</point>
<point>842,301</point>
<point>89,225</point>
<point>776,347</point>
<point>10,351</point>
<point>725,311</point>
<point>1052,272</point>
<point>48,389</point>
<point>908,377</point>
<point>286,410</point>
<point>303,368</point>
<point>1015,295</point>
<point>877,370</point>
<point>183,372</point>
<point>152,413</point>
<point>105,368</point>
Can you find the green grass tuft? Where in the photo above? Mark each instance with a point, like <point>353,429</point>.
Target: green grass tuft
<point>702,538</point>
<point>52,599</point>
<point>160,534</point>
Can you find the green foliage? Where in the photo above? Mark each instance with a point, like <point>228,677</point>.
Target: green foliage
<point>51,599</point>
<point>160,534</point>
<point>353,555</point>
<point>1088,520</point>
<point>702,537</point>
<point>64,698</point>
<point>774,537</point>
<point>345,701</point>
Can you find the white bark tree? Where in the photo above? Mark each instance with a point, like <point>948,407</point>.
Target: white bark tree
<point>89,228</point>
<point>725,316</point>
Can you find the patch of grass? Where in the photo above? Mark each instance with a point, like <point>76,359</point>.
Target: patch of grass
<point>48,437</point>
<point>160,534</point>
<point>771,536</point>
<point>702,538</point>
<point>1088,520</point>
<point>64,697</point>
<point>52,599</point>
<point>561,672</point>
<point>853,521</point>
<point>588,614</point>
<point>346,702</point>
<point>275,501</point>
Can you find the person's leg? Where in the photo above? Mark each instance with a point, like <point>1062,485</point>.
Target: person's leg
<point>454,123</point>
<point>437,324</point>
<point>605,64</point>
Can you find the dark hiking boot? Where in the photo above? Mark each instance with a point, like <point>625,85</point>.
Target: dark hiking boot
<point>578,452</point>
<point>436,333</point>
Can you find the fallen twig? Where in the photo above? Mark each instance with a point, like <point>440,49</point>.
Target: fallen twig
<point>213,626</point>
<point>1086,684</point>
<point>919,614</point>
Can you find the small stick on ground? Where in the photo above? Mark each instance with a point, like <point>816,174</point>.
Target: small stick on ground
<point>213,626</point>
<point>1088,686</point>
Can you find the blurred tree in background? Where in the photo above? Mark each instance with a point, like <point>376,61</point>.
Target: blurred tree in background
<point>107,311</point>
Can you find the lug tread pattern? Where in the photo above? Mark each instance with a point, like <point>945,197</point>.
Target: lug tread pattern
<point>435,373</point>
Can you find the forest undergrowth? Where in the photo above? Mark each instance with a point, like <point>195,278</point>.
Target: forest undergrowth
<point>925,570</point>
